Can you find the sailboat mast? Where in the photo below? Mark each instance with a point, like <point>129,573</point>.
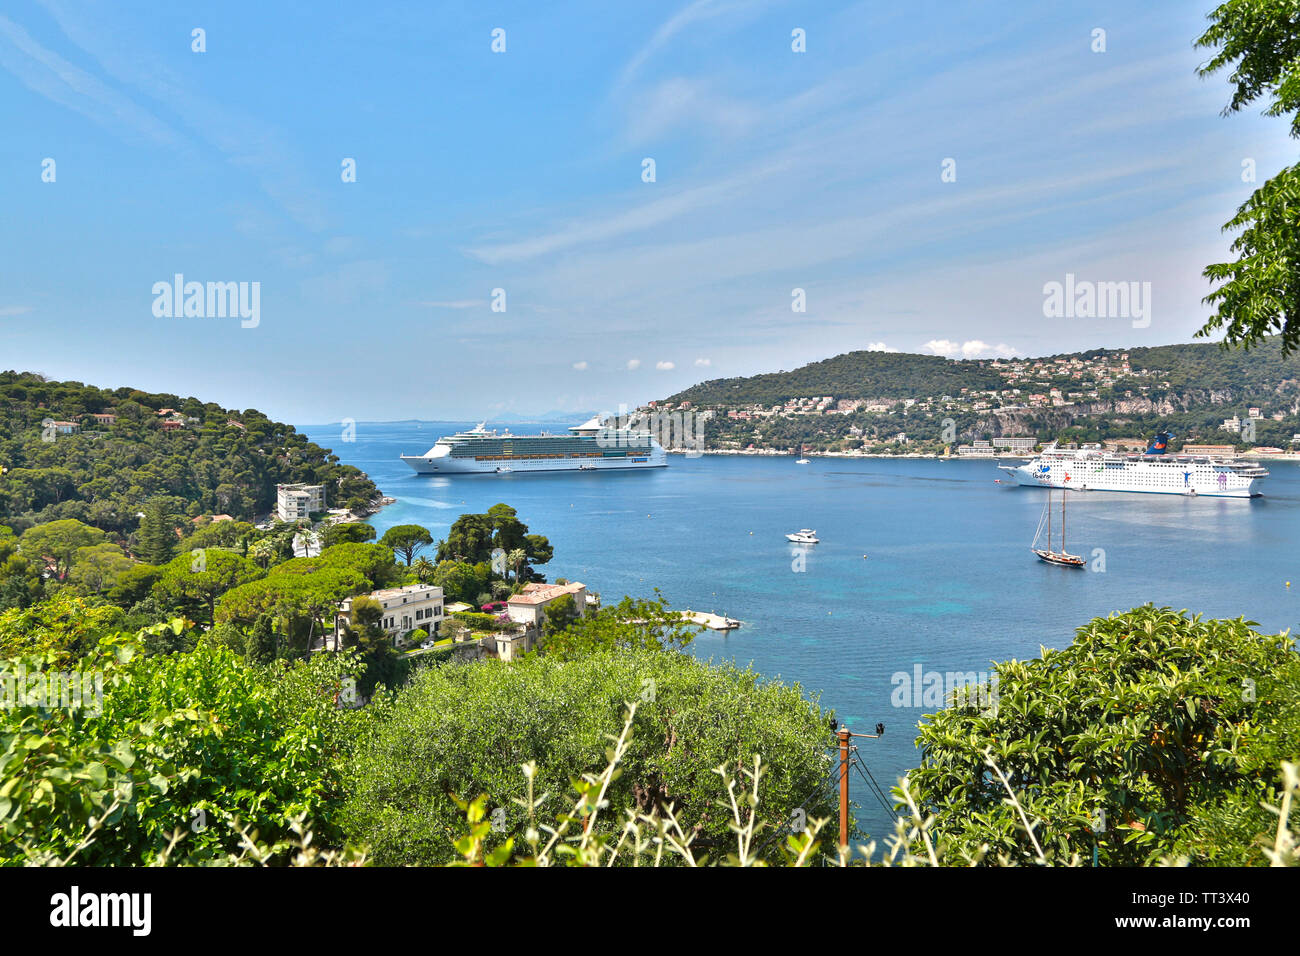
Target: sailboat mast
<point>1063,521</point>
<point>1049,519</point>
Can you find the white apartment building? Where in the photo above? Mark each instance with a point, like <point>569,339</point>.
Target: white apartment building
<point>978,449</point>
<point>1018,445</point>
<point>297,502</point>
<point>405,610</point>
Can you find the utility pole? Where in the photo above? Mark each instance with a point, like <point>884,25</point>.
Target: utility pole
<point>844,736</point>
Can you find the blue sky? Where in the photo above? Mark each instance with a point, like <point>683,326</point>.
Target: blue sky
<point>522,171</point>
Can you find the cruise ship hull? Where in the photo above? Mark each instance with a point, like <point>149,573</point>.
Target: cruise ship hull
<point>448,465</point>
<point>1208,479</point>
<point>592,446</point>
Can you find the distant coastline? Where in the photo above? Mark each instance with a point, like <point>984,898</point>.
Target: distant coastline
<point>771,453</point>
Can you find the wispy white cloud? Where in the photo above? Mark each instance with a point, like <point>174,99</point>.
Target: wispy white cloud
<point>695,12</point>
<point>693,104</point>
<point>879,347</point>
<point>45,72</point>
<point>9,310</point>
<point>243,141</point>
<point>645,215</point>
<point>633,364</point>
<point>973,348</point>
<point>665,366</point>
<point>580,366</point>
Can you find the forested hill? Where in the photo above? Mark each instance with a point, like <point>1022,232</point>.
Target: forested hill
<point>863,375</point>
<point>851,375</point>
<point>59,461</point>
<point>1207,365</point>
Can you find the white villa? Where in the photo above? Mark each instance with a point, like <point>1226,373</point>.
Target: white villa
<point>529,605</point>
<point>405,610</point>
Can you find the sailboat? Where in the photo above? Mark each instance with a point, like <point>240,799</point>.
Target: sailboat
<point>1063,558</point>
<point>801,460</point>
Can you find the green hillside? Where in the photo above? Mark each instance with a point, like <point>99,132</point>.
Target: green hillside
<point>897,402</point>
<point>207,459</point>
<point>851,375</point>
<point>860,375</point>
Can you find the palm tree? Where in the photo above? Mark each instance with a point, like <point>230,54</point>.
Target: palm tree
<point>263,551</point>
<point>516,559</point>
<point>423,569</point>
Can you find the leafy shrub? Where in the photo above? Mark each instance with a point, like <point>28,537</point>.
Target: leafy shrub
<point>1155,733</point>
<point>187,751</point>
<point>460,730</point>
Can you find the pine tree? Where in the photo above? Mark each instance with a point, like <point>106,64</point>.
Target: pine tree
<point>260,645</point>
<point>157,535</point>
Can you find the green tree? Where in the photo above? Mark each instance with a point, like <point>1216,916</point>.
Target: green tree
<point>469,539</point>
<point>1153,734</point>
<point>355,532</point>
<point>157,534</point>
<point>691,719</point>
<point>538,548</point>
<point>407,540</point>
<point>515,560</point>
<point>61,630</point>
<point>1260,291</point>
<point>199,738</point>
<point>57,543</point>
<point>459,581</point>
<point>262,646</point>
<point>633,623</point>
<point>96,569</point>
<point>200,577</point>
<point>560,613</point>
<point>424,569</point>
<point>304,603</point>
<point>134,584</point>
<point>508,531</point>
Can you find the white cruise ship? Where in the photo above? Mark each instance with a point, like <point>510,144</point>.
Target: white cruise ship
<point>1091,469</point>
<point>589,447</point>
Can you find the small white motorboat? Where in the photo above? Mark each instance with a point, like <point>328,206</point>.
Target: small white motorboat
<point>803,536</point>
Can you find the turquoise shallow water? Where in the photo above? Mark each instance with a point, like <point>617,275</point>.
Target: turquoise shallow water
<point>948,582</point>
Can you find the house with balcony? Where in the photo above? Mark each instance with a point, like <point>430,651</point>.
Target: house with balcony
<point>414,607</point>
<point>297,502</point>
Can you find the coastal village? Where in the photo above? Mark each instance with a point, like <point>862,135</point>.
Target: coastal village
<point>1071,386</point>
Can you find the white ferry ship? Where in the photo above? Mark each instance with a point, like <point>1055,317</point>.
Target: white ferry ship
<point>1091,469</point>
<point>589,447</point>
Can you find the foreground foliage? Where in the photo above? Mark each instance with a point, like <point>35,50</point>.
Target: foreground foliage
<point>188,755</point>
<point>1259,292</point>
<point>1154,734</point>
<point>462,730</point>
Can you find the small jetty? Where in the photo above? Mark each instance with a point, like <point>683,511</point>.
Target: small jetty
<point>714,622</point>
